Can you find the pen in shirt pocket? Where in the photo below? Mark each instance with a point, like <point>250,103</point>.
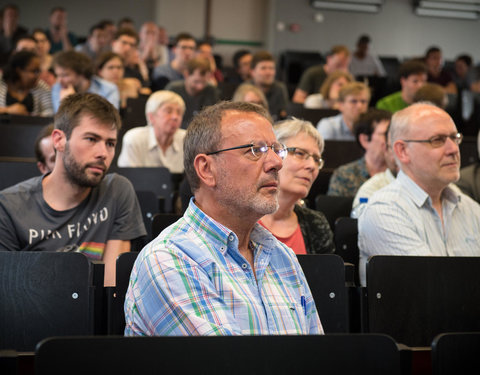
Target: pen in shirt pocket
<point>304,305</point>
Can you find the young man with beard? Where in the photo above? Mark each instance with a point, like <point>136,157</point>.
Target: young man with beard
<point>76,207</point>
<point>216,271</point>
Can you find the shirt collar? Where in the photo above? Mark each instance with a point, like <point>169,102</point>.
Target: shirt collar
<point>152,140</point>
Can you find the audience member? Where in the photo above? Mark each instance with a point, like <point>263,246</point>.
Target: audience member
<point>421,213</point>
<point>96,42</point>
<point>44,150</point>
<point>10,31</point>
<point>433,93</point>
<point>160,143</point>
<point>436,72</point>
<point>204,49</point>
<point>21,91</point>
<point>152,52</point>
<point>26,43</point>
<point>76,207</point>
<point>194,89</point>
<point>353,100</point>
<point>110,30</point>
<point>328,95</point>
<point>110,67</point>
<point>216,271</point>
<point>263,76</point>
<point>377,181</point>
<point>247,92</point>
<point>464,74</point>
<point>469,181</point>
<point>126,23</point>
<point>363,63</point>
<point>304,230</point>
<point>370,132</point>
<point>75,74</point>
<point>413,75</point>
<point>60,38</point>
<point>183,50</point>
<point>312,79</point>
<point>46,59</point>
<point>125,45</point>
<point>242,61</point>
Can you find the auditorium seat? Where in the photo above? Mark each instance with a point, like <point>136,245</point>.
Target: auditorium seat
<point>161,221</point>
<point>313,115</point>
<point>325,354</point>
<point>14,172</point>
<point>456,353</point>
<point>346,242</point>
<point>333,207</point>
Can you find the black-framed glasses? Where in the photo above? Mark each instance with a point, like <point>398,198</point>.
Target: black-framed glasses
<point>258,150</point>
<point>439,140</point>
<point>301,154</point>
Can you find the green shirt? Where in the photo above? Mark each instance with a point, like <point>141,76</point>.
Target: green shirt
<point>392,103</point>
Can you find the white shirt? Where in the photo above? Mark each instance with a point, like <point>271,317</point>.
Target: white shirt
<point>140,149</point>
<point>368,66</point>
<point>400,220</point>
<point>374,183</point>
<point>335,128</point>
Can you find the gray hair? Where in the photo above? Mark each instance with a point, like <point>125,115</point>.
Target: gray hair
<point>291,127</point>
<point>204,133</point>
<point>244,88</point>
<point>159,98</point>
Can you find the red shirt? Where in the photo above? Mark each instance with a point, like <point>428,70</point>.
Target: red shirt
<point>294,241</point>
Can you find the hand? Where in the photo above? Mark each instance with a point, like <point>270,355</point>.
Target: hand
<point>66,91</point>
<point>17,109</point>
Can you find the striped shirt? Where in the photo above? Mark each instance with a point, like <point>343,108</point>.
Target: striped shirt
<point>400,220</point>
<point>42,98</point>
<point>192,280</point>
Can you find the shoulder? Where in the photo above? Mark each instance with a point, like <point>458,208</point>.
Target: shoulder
<point>137,134</point>
<point>23,190</point>
<point>116,182</point>
<point>175,85</point>
<point>307,214</point>
<point>315,70</point>
<point>355,165</point>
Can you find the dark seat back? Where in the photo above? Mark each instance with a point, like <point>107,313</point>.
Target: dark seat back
<point>346,242</point>
<point>326,278</point>
<point>333,207</point>
<point>14,172</point>
<point>161,221</point>
<point>413,299</point>
<point>330,355</point>
<point>313,115</point>
<point>46,294</point>
<point>456,353</point>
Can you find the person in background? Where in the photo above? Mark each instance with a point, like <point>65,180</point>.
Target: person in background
<point>204,49</point>
<point>433,93</point>
<point>304,230</point>
<point>46,59</point>
<point>413,75</point>
<point>247,92</point>
<point>370,133</point>
<point>60,38</point>
<point>21,90</point>
<point>328,95</point>
<point>152,52</point>
<point>26,43</point>
<point>311,81</point>
<point>363,63</point>
<point>44,150</point>
<point>216,271</point>
<point>110,67</point>
<point>464,74</point>
<point>75,74</point>
<point>353,100</point>
<point>10,31</point>
<point>160,143</point>
<point>110,30</point>
<point>242,61</point>
<point>96,42</point>
<point>126,23</point>
<point>263,76</point>
<point>436,72</point>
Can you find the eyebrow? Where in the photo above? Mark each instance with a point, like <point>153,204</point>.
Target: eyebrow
<point>98,136</point>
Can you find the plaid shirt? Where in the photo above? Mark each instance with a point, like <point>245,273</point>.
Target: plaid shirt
<point>192,280</point>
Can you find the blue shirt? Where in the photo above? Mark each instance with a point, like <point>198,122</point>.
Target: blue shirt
<point>192,280</point>
<point>400,220</point>
<point>335,128</point>
<point>98,86</point>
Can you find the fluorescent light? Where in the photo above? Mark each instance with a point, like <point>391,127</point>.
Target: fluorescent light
<point>446,13</point>
<point>451,6</point>
<point>355,6</point>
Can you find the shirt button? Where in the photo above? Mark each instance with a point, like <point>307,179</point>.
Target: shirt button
<point>222,248</point>
<point>244,266</point>
<point>230,238</point>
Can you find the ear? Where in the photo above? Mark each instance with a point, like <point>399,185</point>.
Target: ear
<point>41,167</point>
<point>59,140</point>
<point>363,139</point>
<point>206,169</point>
<point>149,118</point>
<point>401,151</point>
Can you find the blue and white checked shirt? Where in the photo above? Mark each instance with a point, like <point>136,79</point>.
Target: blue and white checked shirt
<point>400,220</point>
<point>192,280</point>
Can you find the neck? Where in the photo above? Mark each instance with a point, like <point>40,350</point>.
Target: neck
<point>407,99</point>
<point>165,141</point>
<point>375,163</point>
<point>177,65</point>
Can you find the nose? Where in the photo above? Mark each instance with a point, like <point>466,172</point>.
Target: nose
<point>101,151</point>
<point>272,161</point>
<point>451,147</point>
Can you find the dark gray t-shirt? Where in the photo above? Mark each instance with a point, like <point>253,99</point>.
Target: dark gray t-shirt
<point>110,212</point>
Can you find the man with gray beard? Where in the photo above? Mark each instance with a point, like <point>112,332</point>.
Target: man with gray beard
<point>216,271</point>
<point>76,207</point>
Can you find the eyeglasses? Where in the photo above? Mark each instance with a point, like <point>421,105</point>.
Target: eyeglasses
<point>301,154</point>
<point>258,150</point>
<point>439,140</point>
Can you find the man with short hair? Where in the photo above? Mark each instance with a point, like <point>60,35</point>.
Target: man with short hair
<point>152,52</point>
<point>77,207</point>
<point>194,88</point>
<point>184,51</point>
<point>370,130</point>
<point>60,38</point>
<point>353,100</point>
<point>312,79</point>
<point>242,62</point>
<point>216,271</point>
<point>436,71</point>
<point>44,150</point>
<point>125,45</point>
<point>74,71</point>
<point>10,30</point>
<point>263,76</point>
<point>363,63</point>
<point>413,75</point>
<point>421,213</point>
<point>96,42</point>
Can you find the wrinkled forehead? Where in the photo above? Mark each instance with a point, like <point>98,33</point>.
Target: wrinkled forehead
<point>240,126</point>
